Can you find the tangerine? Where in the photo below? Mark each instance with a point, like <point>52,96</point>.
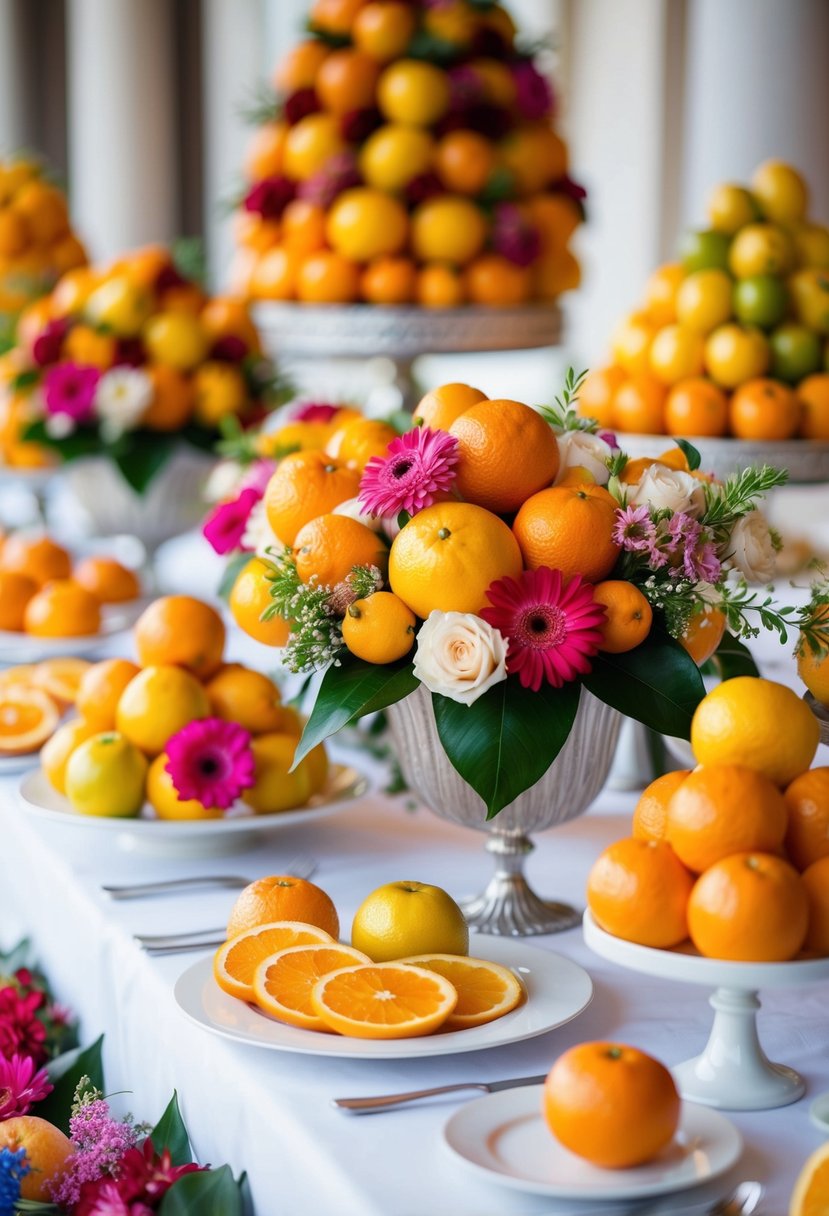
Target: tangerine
<point>183,631</point>
<point>448,228</point>
<point>597,392</point>
<point>328,548</point>
<point>749,907</point>
<point>629,615</point>
<point>359,439</point>
<point>251,699</point>
<point>439,286</point>
<point>464,161</point>
<point>173,401</point>
<point>630,343</point>
<point>298,69</point>
<point>807,834</point>
<point>100,689</point>
<point>440,407</point>
<point>15,592</point>
<point>507,452</point>
<point>813,396</point>
<point>638,405</point>
<point>638,890</point>
<point>493,280</point>
<point>250,597</point>
<point>720,809</point>
<point>650,815</point>
<point>303,226</point>
<point>62,609</point>
<point>38,557</point>
<point>266,151</point>
<point>696,407</point>
<point>764,409</point>
<point>384,30</point>
<point>107,580</point>
<point>283,897</point>
<point>326,277</point>
<point>275,274</point>
<point>389,281</point>
<point>380,628</point>
<point>347,80</point>
<point>816,882</point>
<point>304,486</point>
<point>569,528</point>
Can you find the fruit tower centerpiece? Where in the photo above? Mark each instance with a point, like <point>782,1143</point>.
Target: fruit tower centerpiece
<point>731,339</point>
<point>408,155</point>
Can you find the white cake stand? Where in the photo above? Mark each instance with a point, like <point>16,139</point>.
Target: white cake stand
<point>733,1072</point>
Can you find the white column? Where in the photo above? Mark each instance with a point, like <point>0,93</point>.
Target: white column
<point>122,129</point>
<point>13,126</point>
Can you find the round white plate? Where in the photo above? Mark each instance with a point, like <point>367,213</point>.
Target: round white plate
<point>557,990</point>
<point>25,648</point>
<point>504,1137</point>
<point>12,765</point>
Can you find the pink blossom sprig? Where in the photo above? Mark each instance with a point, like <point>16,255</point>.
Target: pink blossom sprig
<point>100,1142</point>
<point>680,545</point>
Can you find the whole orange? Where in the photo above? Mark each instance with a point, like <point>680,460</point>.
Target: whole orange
<point>629,615</point>
<point>335,16</point>
<point>556,217</point>
<point>173,398</point>
<point>62,609</point>
<point>15,592</point>
<point>328,548</point>
<point>413,92</point>
<point>696,407</point>
<point>749,907</point>
<point>389,281</point>
<point>816,881</point>
<point>764,409</point>
<point>494,280</point>
<point>327,277</point>
<point>439,286</point>
<point>107,579</point>
<point>265,152</point>
<point>346,81</point>
<point>383,30</point>
<point>650,815</point>
<point>507,452</point>
<point>227,317</point>
<point>310,143</point>
<point>638,890</point>
<point>100,691</point>
<point>569,528</point>
<point>614,1105</point>
<point>182,631</point>
<point>721,809</point>
<point>298,69</point>
<point>464,161</point>
<point>283,897</point>
<point>38,557</point>
<point>359,439</point>
<point>535,155</point>
<point>813,396</point>
<point>47,1150</point>
<point>442,406</point>
<point>553,274</point>
<point>250,597</point>
<point>275,274</point>
<point>597,392</point>
<point>447,557</point>
<point>303,226</point>
<point>703,633</point>
<point>305,485</point>
<point>661,292</point>
<point>807,834</point>
<point>238,694</point>
<point>638,405</point>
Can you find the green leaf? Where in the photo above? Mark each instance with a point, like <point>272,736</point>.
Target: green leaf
<point>350,692</point>
<point>733,658</point>
<point>33,1206</point>
<point>206,1193</point>
<point>65,1072</point>
<point>232,570</point>
<point>691,454</point>
<point>83,442</point>
<point>658,684</point>
<point>141,455</point>
<point>506,740</point>
<point>170,1133</point>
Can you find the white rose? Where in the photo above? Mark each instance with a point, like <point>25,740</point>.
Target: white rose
<point>352,510</point>
<point>224,481</point>
<point>751,548</point>
<point>123,395</point>
<point>668,489</point>
<point>259,535</point>
<point>459,655</point>
<point>581,449</point>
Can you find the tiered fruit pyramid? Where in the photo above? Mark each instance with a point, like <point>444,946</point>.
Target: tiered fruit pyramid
<point>407,156</point>
<point>731,339</point>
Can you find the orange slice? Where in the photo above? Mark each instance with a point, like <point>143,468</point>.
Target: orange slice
<point>810,1196</point>
<point>21,674</point>
<point>282,983</point>
<point>28,716</point>
<point>486,991</point>
<point>383,1001</point>
<point>235,963</point>
<point>60,678</point>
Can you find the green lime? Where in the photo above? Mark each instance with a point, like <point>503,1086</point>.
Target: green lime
<point>795,352</point>
<point>705,250</point>
<point>761,300</point>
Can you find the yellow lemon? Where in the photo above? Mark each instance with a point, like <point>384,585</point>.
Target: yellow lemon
<point>55,753</point>
<point>156,704</point>
<point>105,776</point>
<point>119,305</point>
<point>177,339</point>
<point>220,390</point>
<point>405,918</point>
<point>164,797</point>
<point>413,92</point>
<point>276,788</point>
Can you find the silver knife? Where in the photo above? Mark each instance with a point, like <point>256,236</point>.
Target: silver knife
<point>367,1106</point>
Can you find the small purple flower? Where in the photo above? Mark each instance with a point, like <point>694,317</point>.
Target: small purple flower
<point>533,94</point>
<point>514,237</point>
<point>634,529</point>
<point>418,466</point>
<point>610,439</point>
<point>100,1144</point>
<point>339,173</point>
<point>47,344</point>
<point>299,105</point>
<point>69,388</point>
<point>269,197</point>
<point>225,526</point>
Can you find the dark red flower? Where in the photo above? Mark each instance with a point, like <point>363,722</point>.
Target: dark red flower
<point>229,349</point>
<point>488,44</point>
<point>566,185</point>
<point>357,125</point>
<point>130,353</point>
<point>514,237</point>
<point>422,187</point>
<point>169,276</point>
<point>270,197</point>
<point>533,92</point>
<point>21,1030</point>
<point>144,1177</point>
<point>46,350</point>
<point>300,104</point>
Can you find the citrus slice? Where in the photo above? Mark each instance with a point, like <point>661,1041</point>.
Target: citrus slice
<point>282,983</point>
<point>383,1001</point>
<point>486,991</point>
<point>28,716</point>
<point>60,678</point>
<point>810,1196</point>
<point>235,963</point>
<point>21,674</point>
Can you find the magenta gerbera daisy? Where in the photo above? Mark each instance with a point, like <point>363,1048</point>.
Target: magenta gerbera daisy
<point>552,626</point>
<point>21,1085</point>
<point>212,761</point>
<point>417,466</point>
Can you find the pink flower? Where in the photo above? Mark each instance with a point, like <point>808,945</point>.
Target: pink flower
<point>690,549</point>
<point>419,465</point>
<point>533,95</point>
<point>21,1030</point>
<point>142,1178</point>
<point>47,344</point>
<point>100,1143</point>
<point>514,237</point>
<point>69,388</point>
<point>212,761</point>
<point>634,529</point>
<point>315,411</point>
<point>552,626</point>
<point>269,197</point>
<point>21,1085</point>
<point>225,525</point>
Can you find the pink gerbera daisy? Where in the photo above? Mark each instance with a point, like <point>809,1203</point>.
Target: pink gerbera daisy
<point>552,626</point>
<point>69,388</point>
<point>418,466</point>
<point>21,1085</point>
<point>212,761</point>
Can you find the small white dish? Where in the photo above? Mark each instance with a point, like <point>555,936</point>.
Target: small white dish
<point>504,1137</point>
<point>819,1113</point>
<point>26,648</point>
<point>557,991</point>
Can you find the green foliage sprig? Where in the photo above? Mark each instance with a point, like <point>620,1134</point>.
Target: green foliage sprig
<point>562,414</point>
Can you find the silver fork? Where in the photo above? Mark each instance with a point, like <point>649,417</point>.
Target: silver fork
<point>300,867</point>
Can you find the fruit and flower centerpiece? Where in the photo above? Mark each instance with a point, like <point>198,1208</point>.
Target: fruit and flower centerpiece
<point>731,339</point>
<point>407,155</point>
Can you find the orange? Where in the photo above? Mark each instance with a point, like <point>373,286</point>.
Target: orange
<point>535,155</point>
<point>359,439</point>
<point>447,556</point>
<point>236,962</point>
<point>55,753</point>
<point>395,155</point>
<point>249,598</point>
<point>552,275</point>
<point>157,703</point>
<point>597,392</point>
<point>310,143</point>
<point>364,224</point>
<point>696,407</point>
<point>100,690</point>
<point>383,1001</point>
<point>28,716</point>
<point>638,890</point>
<point>328,548</point>
<point>638,405</point>
<point>442,406</point>
<point>734,354</point>
<point>180,630</point>
<point>298,69</point>
<point>629,615</point>
<point>493,280</point>
<point>764,409</point>
<point>661,291</point>
<point>630,343</point>
<point>383,30</point>
<point>327,277</point>
<point>278,786</point>
<point>812,668</point>
<point>389,281</point>
<point>47,1150</point>
<point>248,697</point>
<point>749,907</point>
<point>807,835</point>
<point>486,991</point>
<point>413,92</point>
<point>62,609</point>
<point>439,286</point>
<point>347,80</point>
<point>165,800</point>
<point>569,528</point>
<point>816,882</point>
<point>220,390</point>
<point>556,218</point>
<point>703,633</point>
<point>14,236</point>
<point>379,629</point>
<point>107,580</point>
<point>335,16</point>
<point>507,452</point>
<point>173,399</point>
<point>283,897</point>
<point>71,292</point>
<point>810,1196</point>
<point>39,557</point>
<point>612,1104</point>
<point>85,345</point>
<point>275,274</point>
<point>813,397</point>
<point>650,815</point>
<point>177,339</point>
<point>305,485</point>
<point>448,228</point>
<point>265,151</point>
<point>464,161</point>
<point>15,592</point>
<point>225,317</point>
<point>303,226</point>
<point>61,678</point>
<point>282,983</point>
<point>43,210</point>
<point>720,809</point>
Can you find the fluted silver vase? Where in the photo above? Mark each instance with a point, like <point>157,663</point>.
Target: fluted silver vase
<point>508,905</point>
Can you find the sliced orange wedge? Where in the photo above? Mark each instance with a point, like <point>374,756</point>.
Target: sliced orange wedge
<point>282,984</point>
<point>486,991</point>
<point>21,674</point>
<point>383,1001</point>
<point>235,963</point>
<point>60,678</point>
<point>28,716</point>
<point>810,1196</point>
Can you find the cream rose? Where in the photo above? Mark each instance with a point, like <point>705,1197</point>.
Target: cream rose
<point>581,449</point>
<point>669,489</point>
<point>751,548</point>
<point>459,655</point>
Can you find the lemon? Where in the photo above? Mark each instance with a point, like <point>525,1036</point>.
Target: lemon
<point>55,753</point>
<point>105,777</point>
<point>177,339</point>
<point>276,788</point>
<point>405,918</point>
<point>120,306</point>
<point>156,704</point>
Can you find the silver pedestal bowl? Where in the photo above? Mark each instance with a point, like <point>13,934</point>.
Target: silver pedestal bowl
<point>508,905</point>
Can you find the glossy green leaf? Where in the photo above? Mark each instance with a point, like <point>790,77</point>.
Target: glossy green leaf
<point>733,658</point>
<point>691,453</point>
<point>658,684</point>
<point>206,1193</point>
<point>141,456</point>
<point>65,1072</point>
<point>170,1133</point>
<point>506,740</point>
